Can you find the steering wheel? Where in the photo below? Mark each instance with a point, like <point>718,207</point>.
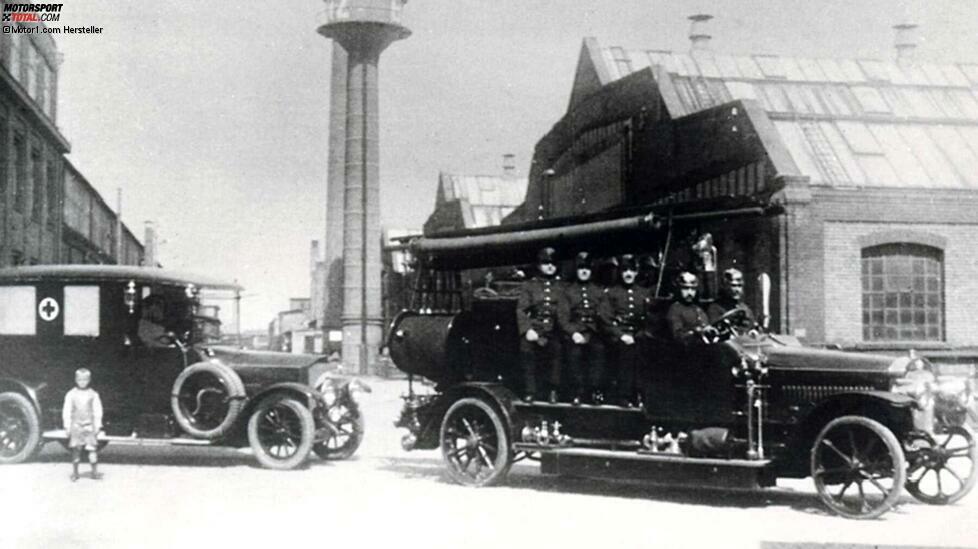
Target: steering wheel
<point>725,326</point>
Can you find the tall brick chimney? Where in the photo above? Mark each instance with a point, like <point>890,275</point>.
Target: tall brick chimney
<point>509,165</point>
<point>699,31</point>
<point>905,41</point>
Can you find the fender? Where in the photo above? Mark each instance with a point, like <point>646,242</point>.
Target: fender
<point>893,410</point>
<point>303,392</point>
<point>493,392</point>
<point>32,391</point>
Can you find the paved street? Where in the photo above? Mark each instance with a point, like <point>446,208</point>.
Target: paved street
<point>386,497</point>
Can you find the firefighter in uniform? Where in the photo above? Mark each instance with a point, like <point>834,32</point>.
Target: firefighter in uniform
<point>732,297</point>
<point>625,317</point>
<point>687,321</point>
<point>578,317</point>
<point>536,315</point>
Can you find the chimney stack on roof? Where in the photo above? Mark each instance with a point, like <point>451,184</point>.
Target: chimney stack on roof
<point>509,164</point>
<point>905,41</point>
<point>699,32</point>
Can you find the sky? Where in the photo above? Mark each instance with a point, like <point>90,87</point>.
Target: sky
<point>212,117</point>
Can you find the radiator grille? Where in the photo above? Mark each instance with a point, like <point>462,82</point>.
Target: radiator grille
<point>814,393</point>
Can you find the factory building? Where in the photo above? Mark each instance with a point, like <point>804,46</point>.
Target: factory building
<point>49,212</point>
<point>868,169</point>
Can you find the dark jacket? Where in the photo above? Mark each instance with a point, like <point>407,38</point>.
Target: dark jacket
<point>580,308</point>
<point>626,310</point>
<point>537,305</point>
<point>685,320</point>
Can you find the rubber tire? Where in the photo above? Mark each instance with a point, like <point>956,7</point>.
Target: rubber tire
<point>504,457</point>
<point>33,446</point>
<point>969,483</point>
<point>236,393</point>
<point>308,433</point>
<point>896,452</point>
<point>352,444</point>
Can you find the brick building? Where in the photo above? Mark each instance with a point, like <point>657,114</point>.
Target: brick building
<point>90,226</point>
<point>31,149</point>
<point>871,167</point>
<point>49,212</point>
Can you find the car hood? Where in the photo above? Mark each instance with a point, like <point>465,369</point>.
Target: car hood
<point>239,358</point>
<point>790,357</point>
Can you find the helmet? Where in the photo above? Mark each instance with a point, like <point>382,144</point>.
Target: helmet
<point>733,276</point>
<point>582,260</point>
<point>628,262</point>
<point>687,279</point>
<point>547,255</point>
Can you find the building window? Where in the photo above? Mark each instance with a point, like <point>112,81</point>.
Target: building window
<point>13,57</point>
<point>903,293</point>
<point>20,174</point>
<point>37,186</point>
<point>54,200</point>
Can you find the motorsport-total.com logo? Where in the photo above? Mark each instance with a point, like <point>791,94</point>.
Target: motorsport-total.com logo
<point>38,13</point>
<point>31,13</point>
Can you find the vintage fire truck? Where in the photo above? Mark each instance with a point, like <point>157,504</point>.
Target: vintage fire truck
<point>735,414</point>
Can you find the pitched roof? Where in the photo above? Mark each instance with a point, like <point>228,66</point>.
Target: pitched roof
<point>485,199</point>
<point>846,122</point>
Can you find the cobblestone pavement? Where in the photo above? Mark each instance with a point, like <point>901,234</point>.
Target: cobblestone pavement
<point>386,497</point>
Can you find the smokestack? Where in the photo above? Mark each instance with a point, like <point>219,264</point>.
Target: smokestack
<point>149,242</point>
<point>119,259</point>
<point>905,41</point>
<point>509,165</point>
<point>699,32</point>
<point>313,254</point>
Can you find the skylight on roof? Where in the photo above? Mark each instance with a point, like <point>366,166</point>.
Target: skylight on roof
<point>870,100</point>
<point>771,66</point>
<point>859,138</point>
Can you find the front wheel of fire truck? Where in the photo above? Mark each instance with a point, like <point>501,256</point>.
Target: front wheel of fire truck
<point>941,469</point>
<point>475,443</point>
<point>858,467</point>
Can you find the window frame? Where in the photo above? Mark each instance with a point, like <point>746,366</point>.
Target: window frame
<point>903,290</point>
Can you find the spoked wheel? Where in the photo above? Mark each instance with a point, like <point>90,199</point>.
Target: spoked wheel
<point>281,432</point>
<point>475,443</point>
<point>941,469</point>
<point>858,467</point>
<point>348,424</point>
<point>20,432</point>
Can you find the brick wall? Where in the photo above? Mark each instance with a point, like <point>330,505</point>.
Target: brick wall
<point>843,286</point>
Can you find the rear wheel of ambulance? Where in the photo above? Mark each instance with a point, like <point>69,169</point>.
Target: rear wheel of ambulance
<point>20,429</point>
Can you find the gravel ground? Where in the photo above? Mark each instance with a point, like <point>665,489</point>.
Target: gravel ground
<point>386,497</point>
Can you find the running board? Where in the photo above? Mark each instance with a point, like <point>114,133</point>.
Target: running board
<point>570,406</point>
<point>61,435</point>
<point>657,468</point>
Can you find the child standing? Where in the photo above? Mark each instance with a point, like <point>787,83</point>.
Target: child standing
<point>82,418</point>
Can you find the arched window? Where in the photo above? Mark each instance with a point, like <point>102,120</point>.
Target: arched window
<point>903,293</point>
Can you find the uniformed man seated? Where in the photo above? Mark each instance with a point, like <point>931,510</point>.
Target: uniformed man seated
<point>536,316</point>
<point>579,322</point>
<point>151,330</point>
<point>626,311</point>
<point>687,321</point>
<point>732,298</point>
